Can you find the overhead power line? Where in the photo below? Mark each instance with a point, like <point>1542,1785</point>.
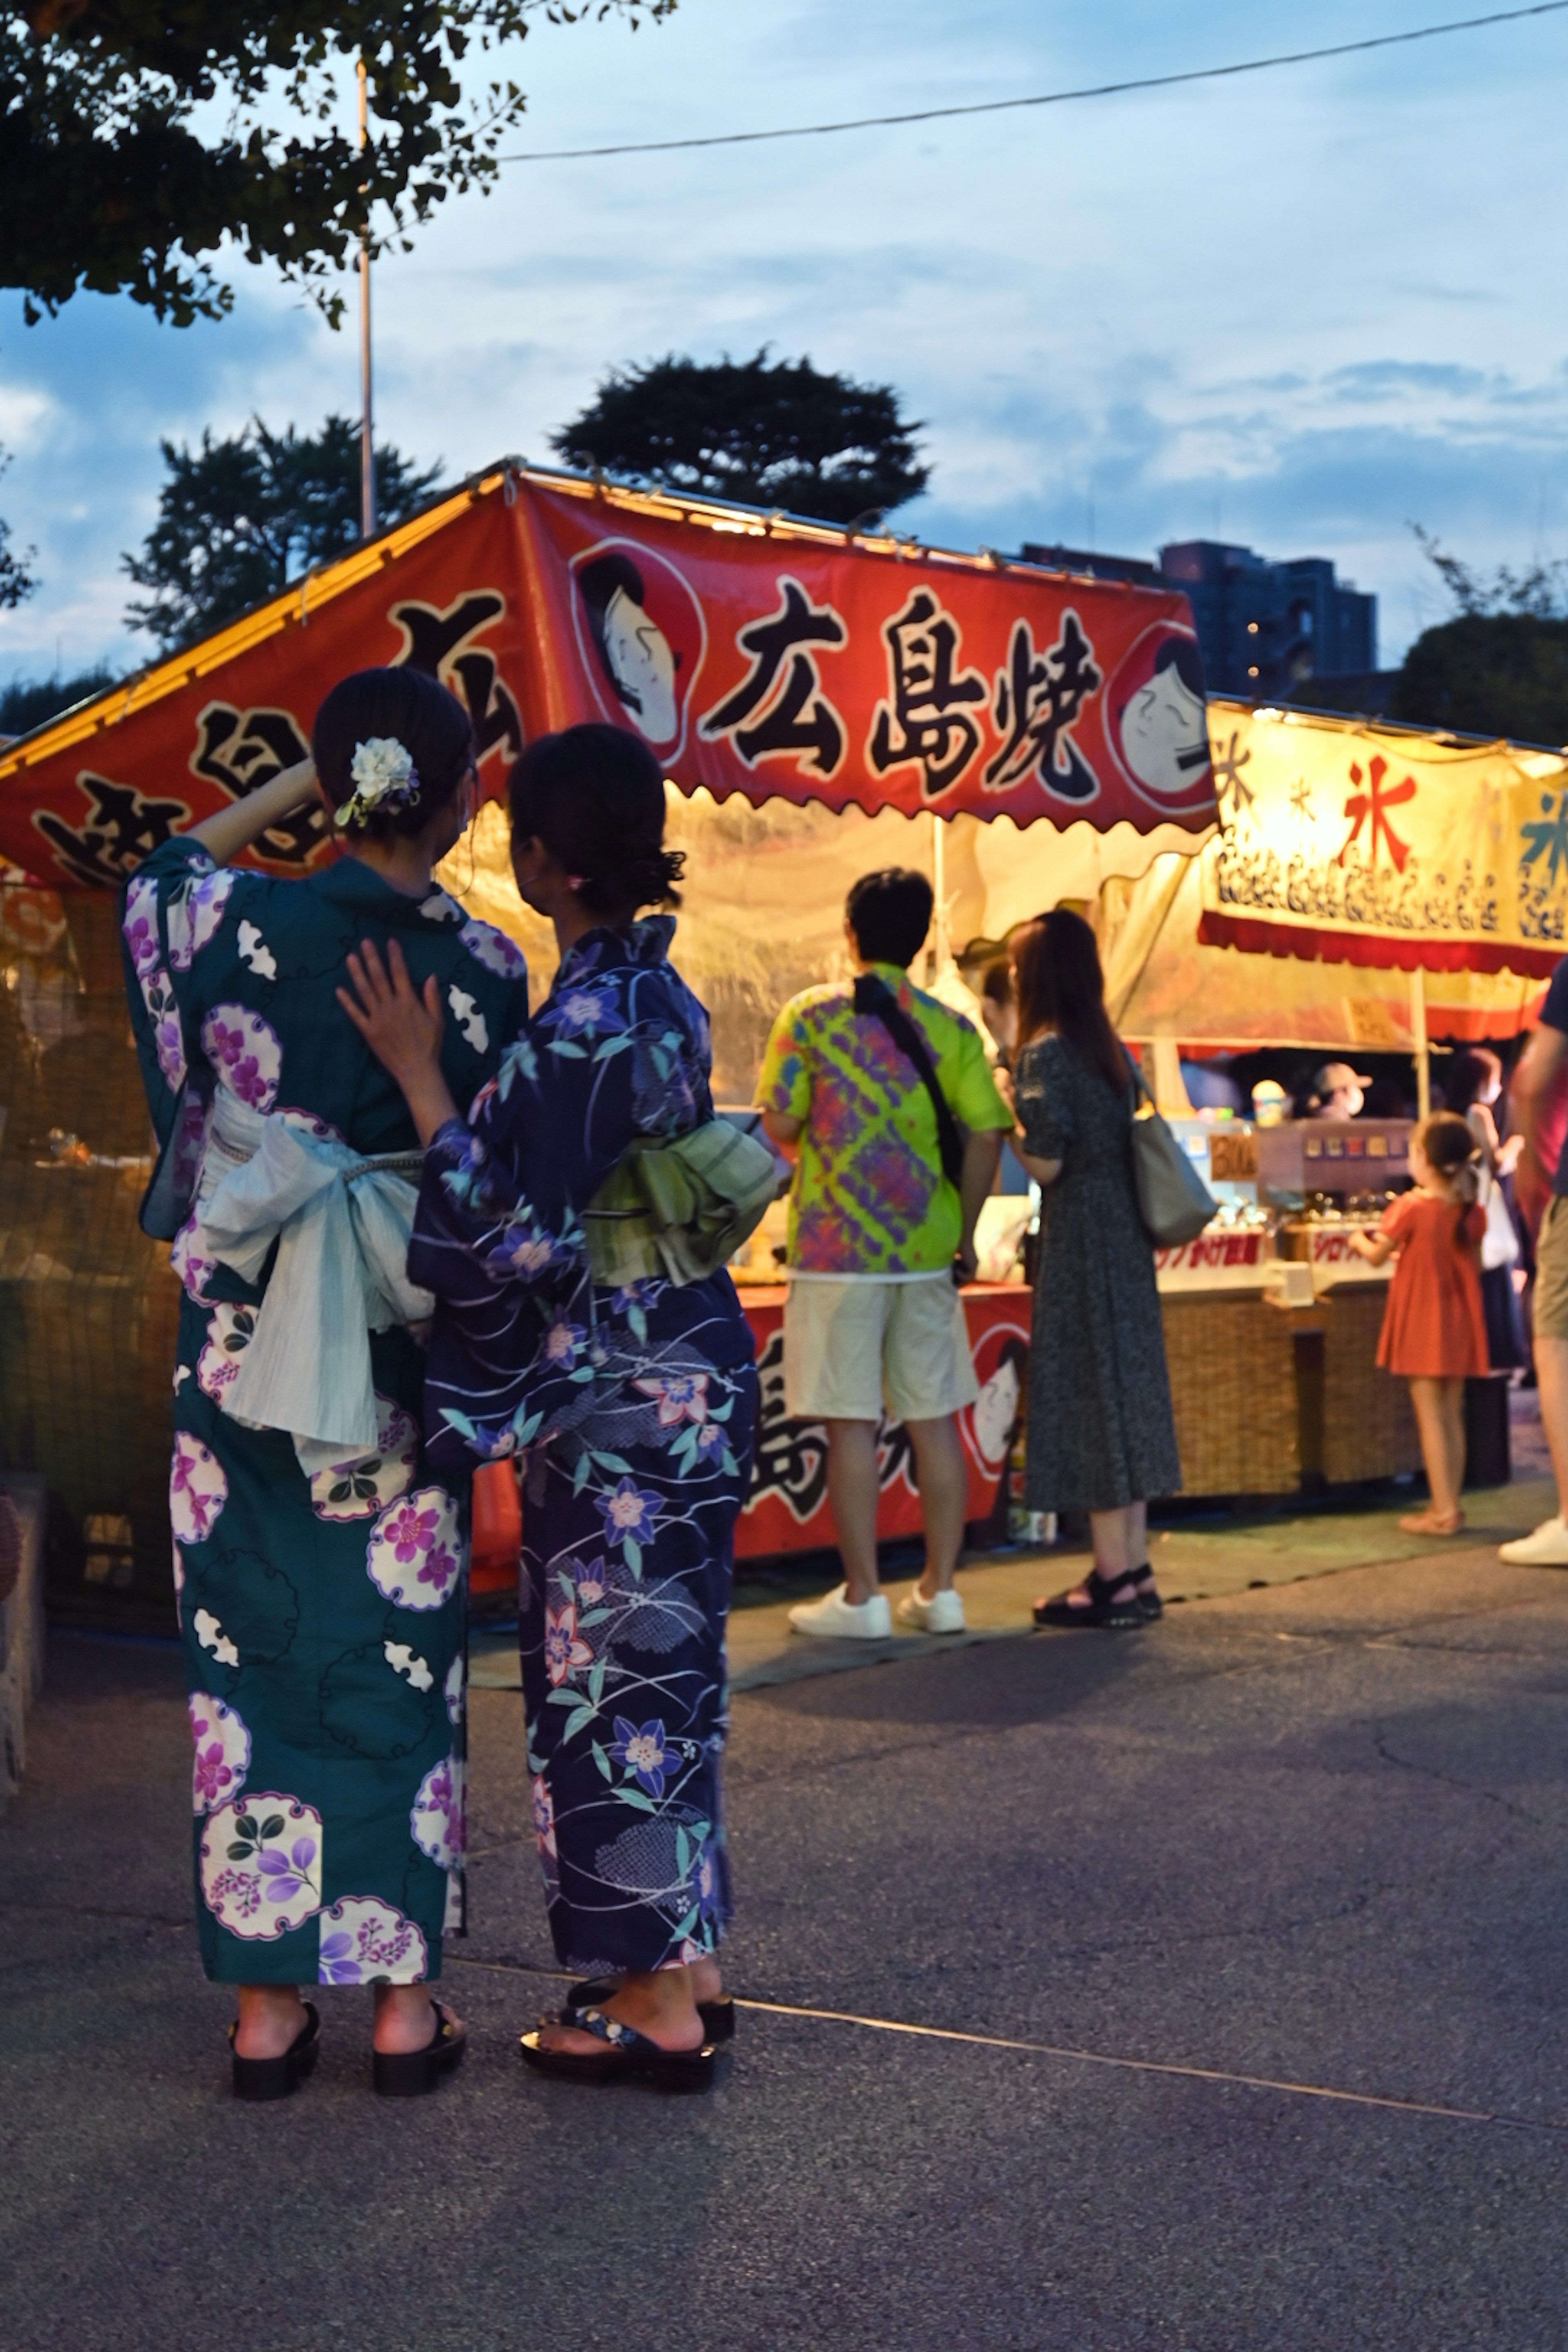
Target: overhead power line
<point>1050,98</point>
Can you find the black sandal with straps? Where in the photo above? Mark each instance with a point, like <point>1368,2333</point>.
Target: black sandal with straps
<point>275,2078</point>
<point>717,2016</point>
<point>623,2055</point>
<point>1114,1608</point>
<point>1149,1599</point>
<point>409,2074</point>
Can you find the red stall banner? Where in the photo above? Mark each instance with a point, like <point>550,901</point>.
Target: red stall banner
<point>787,1509</point>
<point>753,654</point>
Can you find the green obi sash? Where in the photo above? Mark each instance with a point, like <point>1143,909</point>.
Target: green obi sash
<point>678,1210</point>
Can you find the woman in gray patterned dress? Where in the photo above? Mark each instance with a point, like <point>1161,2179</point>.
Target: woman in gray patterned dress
<point>1101,1436</point>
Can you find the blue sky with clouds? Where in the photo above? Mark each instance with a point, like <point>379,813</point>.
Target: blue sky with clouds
<point>1297,309</point>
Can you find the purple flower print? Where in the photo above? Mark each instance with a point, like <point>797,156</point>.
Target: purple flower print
<point>543,1814</point>
<point>634,1294</point>
<point>628,1513</point>
<point>583,1012</point>
<point>564,1648</point>
<point>366,1941</point>
<point>410,1531</point>
<point>197,1489</point>
<point>287,1873</point>
<point>562,1342</point>
<point>169,1047</point>
<point>224,1044</point>
<point>712,1439</point>
<point>212,1774</point>
<point>260,1867</point>
<point>682,1396</point>
<point>248,1082</point>
<point>436,1819</point>
<point>338,1963</point>
<point>440,1570</point>
<point>141,935</point>
<point>242,1887</point>
<point>522,1249</point>
<point>643,1753</point>
<point>245,1052</point>
<point>593,1584</point>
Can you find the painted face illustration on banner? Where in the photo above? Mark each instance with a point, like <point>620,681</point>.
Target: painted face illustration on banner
<point>1159,718</point>
<point>645,638</point>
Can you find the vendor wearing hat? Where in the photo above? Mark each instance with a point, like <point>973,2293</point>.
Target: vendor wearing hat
<point>1338,1092</point>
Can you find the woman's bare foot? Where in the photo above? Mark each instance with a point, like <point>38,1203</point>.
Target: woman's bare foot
<point>1433,1523</point>
<point>271,2020</point>
<point>405,2019</point>
<point>663,2006</point>
<point>707,1980</point>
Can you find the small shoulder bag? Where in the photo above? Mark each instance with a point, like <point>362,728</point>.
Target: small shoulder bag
<point>1174,1201</point>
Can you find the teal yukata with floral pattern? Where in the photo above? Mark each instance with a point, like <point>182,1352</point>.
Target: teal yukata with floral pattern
<point>320,1591</point>
<point>634,1410</point>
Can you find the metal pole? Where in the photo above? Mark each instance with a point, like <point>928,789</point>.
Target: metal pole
<point>366,435</point>
<point>1418,1040</point>
<point>941,946</point>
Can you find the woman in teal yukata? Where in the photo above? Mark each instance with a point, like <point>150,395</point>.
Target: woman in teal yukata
<point>319,1559</point>
<point>633,1402</point>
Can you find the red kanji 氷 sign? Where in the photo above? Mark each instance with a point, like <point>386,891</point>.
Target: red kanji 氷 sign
<point>1370,808</point>
<point>779,661</point>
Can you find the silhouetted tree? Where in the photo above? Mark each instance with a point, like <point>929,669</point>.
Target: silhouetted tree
<point>17,582</point>
<point>765,434</point>
<point>1501,666</point>
<point>238,519</point>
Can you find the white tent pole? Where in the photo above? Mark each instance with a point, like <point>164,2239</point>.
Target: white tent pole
<point>1418,1041</point>
<point>366,439</point>
<point>939,945</point>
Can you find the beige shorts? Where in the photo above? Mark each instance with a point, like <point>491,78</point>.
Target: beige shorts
<point>1549,1300</point>
<point>849,1348</point>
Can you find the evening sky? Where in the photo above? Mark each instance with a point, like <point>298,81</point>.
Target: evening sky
<point>1298,309</point>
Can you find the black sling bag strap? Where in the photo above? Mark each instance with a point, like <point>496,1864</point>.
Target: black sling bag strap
<point>874,996</point>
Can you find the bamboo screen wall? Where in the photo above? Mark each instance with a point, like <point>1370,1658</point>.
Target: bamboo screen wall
<point>88,1305</point>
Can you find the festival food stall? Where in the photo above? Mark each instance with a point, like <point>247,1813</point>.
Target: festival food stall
<point>1368,887</point>
<point>820,701</point>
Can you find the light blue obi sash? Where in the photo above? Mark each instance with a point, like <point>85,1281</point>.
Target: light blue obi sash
<point>340,1222</point>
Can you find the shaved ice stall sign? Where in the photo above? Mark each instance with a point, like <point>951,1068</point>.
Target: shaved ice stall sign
<point>1367,847</point>
<point>779,661</point>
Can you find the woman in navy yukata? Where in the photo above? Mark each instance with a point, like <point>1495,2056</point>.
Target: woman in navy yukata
<point>317,1555</point>
<point>633,1407</point>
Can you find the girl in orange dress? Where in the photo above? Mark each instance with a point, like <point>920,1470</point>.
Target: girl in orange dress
<point>1433,1327</point>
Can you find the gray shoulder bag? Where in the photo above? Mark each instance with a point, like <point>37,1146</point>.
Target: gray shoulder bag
<point>1174,1201</point>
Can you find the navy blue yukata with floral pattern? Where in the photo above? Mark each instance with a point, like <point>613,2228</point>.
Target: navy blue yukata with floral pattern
<point>634,1412</point>
<point>320,1595</point>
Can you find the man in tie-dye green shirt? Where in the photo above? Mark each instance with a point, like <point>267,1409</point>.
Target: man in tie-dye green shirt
<point>874,1320</point>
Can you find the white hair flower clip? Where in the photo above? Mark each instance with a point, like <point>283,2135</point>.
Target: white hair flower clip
<point>384,777</point>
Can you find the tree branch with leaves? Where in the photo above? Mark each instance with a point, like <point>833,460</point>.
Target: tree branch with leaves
<point>139,135</point>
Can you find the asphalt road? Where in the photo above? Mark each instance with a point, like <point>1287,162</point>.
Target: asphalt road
<point>1274,1897</point>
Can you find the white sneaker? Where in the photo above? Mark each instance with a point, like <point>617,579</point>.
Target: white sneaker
<point>839,1619</point>
<point>1546,1548</point>
<point>942,1613</point>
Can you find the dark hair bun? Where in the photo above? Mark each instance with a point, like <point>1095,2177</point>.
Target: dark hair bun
<point>412,708</point>
<point>595,796</point>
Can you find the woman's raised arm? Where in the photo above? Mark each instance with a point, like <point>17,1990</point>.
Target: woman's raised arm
<point>225,834</point>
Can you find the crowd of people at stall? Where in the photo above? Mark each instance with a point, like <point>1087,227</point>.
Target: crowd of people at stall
<point>422,1231</point>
